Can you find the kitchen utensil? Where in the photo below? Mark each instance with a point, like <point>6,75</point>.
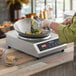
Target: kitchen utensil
<point>24,25</point>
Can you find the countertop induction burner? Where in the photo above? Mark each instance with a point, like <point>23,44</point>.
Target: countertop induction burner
<point>35,47</point>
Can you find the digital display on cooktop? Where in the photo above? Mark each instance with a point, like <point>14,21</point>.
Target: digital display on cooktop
<point>43,45</point>
<point>49,44</point>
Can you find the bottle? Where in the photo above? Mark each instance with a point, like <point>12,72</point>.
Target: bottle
<point>49,12</point>
<point>41,14</point>
<point>45,14</point>
<point>15,11</point>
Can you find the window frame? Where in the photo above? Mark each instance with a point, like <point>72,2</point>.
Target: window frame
<point>56,10</point>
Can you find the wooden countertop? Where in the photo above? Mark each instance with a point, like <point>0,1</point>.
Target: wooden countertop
<point>38,65</point>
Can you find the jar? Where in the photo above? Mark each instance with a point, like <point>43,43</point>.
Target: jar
<point>8,59</point>
<point>1,52</point>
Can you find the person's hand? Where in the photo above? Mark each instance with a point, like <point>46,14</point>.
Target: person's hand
<point>45,23</point>
<point>67,21</point>
<point>54,26</point>
<point>50,24</point>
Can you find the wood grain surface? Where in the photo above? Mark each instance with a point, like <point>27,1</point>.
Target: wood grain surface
<point>27,69</point>
<point>20,56</point>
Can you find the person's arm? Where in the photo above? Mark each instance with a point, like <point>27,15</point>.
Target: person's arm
<point>67,21</point>
<point>66,33</point>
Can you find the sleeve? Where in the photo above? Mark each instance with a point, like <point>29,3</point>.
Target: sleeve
<point>67,33</point>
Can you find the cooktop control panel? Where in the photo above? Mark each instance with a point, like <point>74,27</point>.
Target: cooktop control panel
<point>48,44</point>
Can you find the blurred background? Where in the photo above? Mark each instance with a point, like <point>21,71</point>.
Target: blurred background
<point>55,8</point>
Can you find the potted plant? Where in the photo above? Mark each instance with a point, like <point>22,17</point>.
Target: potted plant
<point>14,7</point>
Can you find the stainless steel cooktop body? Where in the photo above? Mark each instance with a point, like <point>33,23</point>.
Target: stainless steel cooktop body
<point>35,47</point>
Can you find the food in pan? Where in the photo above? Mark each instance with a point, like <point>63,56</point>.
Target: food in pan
<point>34,32</point>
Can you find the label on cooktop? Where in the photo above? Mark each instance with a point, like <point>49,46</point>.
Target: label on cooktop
<point>48,45</point>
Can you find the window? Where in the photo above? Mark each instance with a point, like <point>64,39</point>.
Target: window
<point>67,5</point>
<point>59,6</point>
<point>40,5</point>
<point>74,5</point>
<point>26,8</point>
